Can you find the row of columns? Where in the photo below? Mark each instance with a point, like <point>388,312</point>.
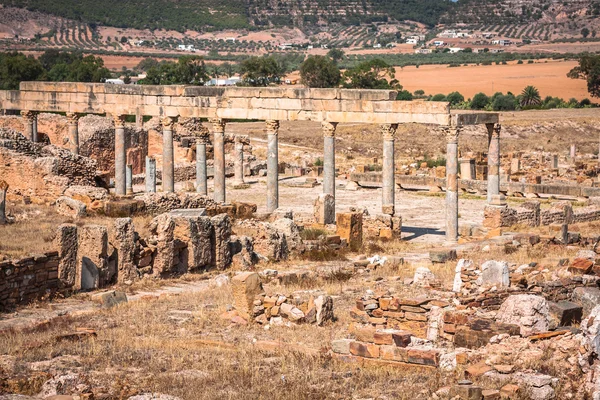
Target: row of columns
<point>493,182</point>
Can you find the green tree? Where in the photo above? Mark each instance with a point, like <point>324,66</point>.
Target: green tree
<point>589,70</point>
<point>372,74</point>
<point>319,72</point>
<point>404,95</point>
<point>15,68</point>
<point>146,64</point>
<point>439,97</point>
<point>455,98</point>
<point>506,102</point>
<point>480,101</point>
<point>261,71</point>
<point>530,97</point>
<point>189,70</point>
<point>336,54</point>
<point>585,32</point>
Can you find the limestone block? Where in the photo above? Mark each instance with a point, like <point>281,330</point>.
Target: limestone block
<point>324,306</point>
<point>165,261</point>
<point>350,228</point>
<point>423,277</point>
<point>530,312</point>
<point>222,234</point>
<point>70,207</point>
<point>92,268</point>
<point>587,297</point>
<point>200,243</point>
<point>565,313</point>
<point>499,216</point>
<point>110,298</point>
<point>461,265</point>
<point>494,273</point>
<point>245,287</point>
<point>288,228</point>
<point>324,209</point>
<point>125,240</point>
<point>243,255</point>
<point>66,242</point>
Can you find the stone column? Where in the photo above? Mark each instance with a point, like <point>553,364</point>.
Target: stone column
<point>272,165</point>
<point>573,151</point>
<point>493,177</point>
<point>73,123</point>
<point>139,119</point>
<point>150,175</point>
<point>28,122</point>
<point>34,133</point>
<point>219,159</point>
<point>129,179</point>
<point>388,132</point>
<point>3,190</point>
<point>452,184</point>
<point>239,162</point>
<point>120,156</point>
<point>201,176</point>
<point>329,157</point>
<point>168,168</point>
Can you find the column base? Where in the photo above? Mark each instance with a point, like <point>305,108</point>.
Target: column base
<point>389,209</point>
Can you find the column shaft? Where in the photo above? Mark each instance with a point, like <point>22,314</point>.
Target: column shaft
<point>201,186</point>
<point>219,162</point>
<point>329,158</point>
<point>3,190</point>
<point>239,162</point>
<point>28,123</point>
<point>129,179</point>
<point>168,169</point>
<point>150,175</point>
<point>34,133</point>
<point>272,166</point>
<point>452,185</point>
<point>389,182</point>
<point>493,161</point>
<point>120,156</point>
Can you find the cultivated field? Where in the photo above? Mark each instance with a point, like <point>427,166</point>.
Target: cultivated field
<point>549,77</point>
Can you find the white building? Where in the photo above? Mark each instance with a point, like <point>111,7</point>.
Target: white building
<point>411,41</point>
<point>186,47</point>
<point>455,49</point>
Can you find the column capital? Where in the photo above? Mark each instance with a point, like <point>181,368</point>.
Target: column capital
<point>272,126</point>
<point>167,122</point>
<point>119,121</point>
<point>452,133</point>
<point>73,118</point>
<point>388,131</point>
<point>218,125</point>
<point>28,115</point>
<point>329,128</point>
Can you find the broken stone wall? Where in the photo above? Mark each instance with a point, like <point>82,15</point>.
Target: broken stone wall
<point>41,172</point>
<point>28,279</point>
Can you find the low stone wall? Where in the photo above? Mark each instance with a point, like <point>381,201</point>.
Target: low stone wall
<point>28,279</point>
<point>393,312</point>
<point>530,214</point>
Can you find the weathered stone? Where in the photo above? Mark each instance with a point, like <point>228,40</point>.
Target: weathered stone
<point>367,350</point>
<point>324,209</point>
<point>243,255</point>
<point>581,266</point>
<point>70,207</point>
<point>587,297</point>
<point>92,254</point>
<point>341,346</point>
<point>125,240</point>
<point>3,191</point>
<point>166,260</point>
<point>528,311</point>
<point>110,298</point>
<point>245,287</point>
<point>269,243</point>
<point>350,227</point>
<point>324,307</point>
<point>291,312</point>
<point>423,277</point>
<point>222,231</point>
<point>460,265</point>
<point>442,255</point>
<point>290,230</point>
<point>565,313</point>
<point>466,392</point>
<point>494,273</point>
<point>66,242</point>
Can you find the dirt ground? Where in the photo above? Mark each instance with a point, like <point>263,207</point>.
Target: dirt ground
<point>549,77</point>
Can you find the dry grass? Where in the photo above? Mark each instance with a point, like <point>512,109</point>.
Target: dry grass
<point>35,229</point>
<point>147,346</point>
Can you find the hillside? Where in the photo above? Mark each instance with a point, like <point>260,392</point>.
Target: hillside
<point>205,15</point>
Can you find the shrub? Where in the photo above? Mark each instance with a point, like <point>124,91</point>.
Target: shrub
<point>480,101</point>
<point>455,98</point>
<point>439,97</point>
<point>404,95</point>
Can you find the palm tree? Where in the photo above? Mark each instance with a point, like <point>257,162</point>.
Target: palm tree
<point>530,97</point>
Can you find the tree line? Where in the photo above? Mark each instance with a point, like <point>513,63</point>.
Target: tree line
<point>52,65</point>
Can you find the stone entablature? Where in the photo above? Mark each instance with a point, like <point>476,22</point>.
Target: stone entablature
<point>281,104</point>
